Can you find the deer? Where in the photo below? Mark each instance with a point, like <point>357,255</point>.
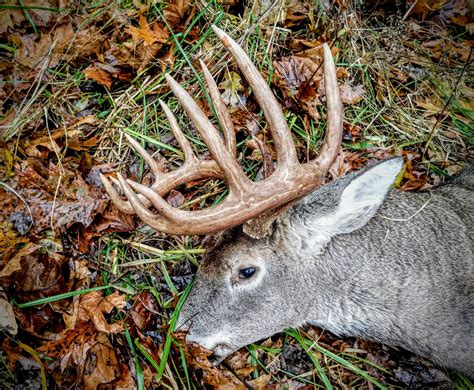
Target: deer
<point>354,256</point>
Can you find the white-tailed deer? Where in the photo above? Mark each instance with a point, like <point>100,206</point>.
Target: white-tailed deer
<point>353,256</point>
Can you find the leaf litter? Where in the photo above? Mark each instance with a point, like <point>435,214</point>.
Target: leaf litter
<point>67,89</point>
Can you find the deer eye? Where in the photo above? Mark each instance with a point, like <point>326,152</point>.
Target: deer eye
<point>246,273</point>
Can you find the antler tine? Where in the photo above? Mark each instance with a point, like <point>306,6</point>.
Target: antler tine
<point>124,207</point>
<point>160,204</point>
<point>171,220</point>
<point>221,110</point>
<point>197,169</point>
<point>235,178</point>
<point>152,163</point>
<point>286,152</point>
<point>178,134</point>
<point>138,207</point>
<point>333,137</point>
<point>164,208</point>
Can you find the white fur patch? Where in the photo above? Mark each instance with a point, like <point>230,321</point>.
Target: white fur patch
<point>209,342</point>
<point>360,199</point>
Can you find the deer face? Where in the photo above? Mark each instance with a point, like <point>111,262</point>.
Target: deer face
<point>248,289</point>
<point>243,292</point>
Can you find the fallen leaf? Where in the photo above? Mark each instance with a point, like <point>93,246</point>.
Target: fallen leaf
<point>415,176</point>
<point>351,95</point>
<point>146,34</point>
<point>7,317</point>
<point>340,166</point>
<point>232,85</point>
<point>99,75</point>
<point>175,11</point>
<point>101,366</point>
<point>430,107</point>
<point>40,13</point>
<point>198,357</point>
<point>15,264</point>
<point>294,71</point>
<point>296,12</point>
<point>449,11</point>
<point>126,382</point>
<point>77,202</point>
<point>49,47</point>
<point>10,17</point>
<point>87,352</point>
<point>175,198</point>
<point>144,310</point>
<point>94,305</point>
<point>261,382</point>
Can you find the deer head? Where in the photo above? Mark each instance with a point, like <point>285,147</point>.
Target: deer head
<point>255,203</point>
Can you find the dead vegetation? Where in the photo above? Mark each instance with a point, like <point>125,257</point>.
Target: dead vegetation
<point>87,296</point>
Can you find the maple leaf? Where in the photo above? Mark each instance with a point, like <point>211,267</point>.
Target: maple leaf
<point>146,34</point>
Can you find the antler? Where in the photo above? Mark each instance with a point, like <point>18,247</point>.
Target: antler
<point>246,199</point>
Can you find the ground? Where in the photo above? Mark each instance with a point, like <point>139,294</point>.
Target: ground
<point>89,296</point>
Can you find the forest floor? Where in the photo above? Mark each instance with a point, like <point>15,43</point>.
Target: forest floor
<point>88,295</point>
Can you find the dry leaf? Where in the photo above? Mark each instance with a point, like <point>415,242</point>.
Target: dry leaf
<point>175,198</point>
<point>146,34</point>
<point>294,71</point>
<point>101,366</point>
<point>175,11</point>
<point>10,17</point>
<point>351,95</point>
<point>93,306</point>
<point>7,317</point>
<point>15,264</point>
<point>340,166</point>
<point>261,382</point>
<point>98,75</point>
<point>50,47</point>
<point>87,352</point>
<point>232,85</point>
<point>198,357</point>
<point>431,109</point>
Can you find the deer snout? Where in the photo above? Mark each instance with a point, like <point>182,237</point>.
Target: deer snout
<point>219,344</point>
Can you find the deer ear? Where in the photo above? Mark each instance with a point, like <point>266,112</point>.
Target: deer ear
<point>361,199</point>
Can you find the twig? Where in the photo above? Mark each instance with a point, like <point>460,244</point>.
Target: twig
<point>409,10</point>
